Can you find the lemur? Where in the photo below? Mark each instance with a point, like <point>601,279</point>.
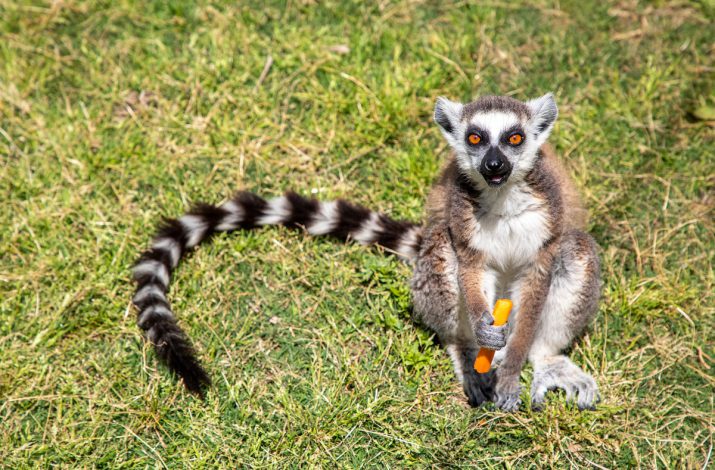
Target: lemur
<point>503,220</point>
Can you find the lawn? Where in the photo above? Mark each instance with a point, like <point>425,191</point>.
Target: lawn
<point>114,114</point>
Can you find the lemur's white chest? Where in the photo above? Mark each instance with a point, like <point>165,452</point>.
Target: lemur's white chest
<point>512,226</point>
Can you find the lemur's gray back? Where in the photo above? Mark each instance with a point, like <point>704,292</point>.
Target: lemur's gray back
<point>176,237</point>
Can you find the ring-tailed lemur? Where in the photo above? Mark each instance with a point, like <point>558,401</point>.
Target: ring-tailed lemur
<point>504,220</point>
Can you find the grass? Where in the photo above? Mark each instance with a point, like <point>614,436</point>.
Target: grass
<point>113,114</point>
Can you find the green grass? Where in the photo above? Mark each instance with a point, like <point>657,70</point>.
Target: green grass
<point>310,343</point>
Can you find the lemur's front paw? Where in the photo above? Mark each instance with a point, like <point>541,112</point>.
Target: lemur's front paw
<point>508,394</point>
<point>488,335</point>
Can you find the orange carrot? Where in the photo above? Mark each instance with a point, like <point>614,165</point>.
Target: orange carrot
<point>483,362</point>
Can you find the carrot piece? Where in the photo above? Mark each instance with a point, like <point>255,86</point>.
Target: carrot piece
<point>483,362</point>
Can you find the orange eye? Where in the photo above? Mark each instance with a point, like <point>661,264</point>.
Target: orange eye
<point>474,139</point>
<point>515,139</point>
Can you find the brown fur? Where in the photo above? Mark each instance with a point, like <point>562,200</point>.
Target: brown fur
<point>575,215</point>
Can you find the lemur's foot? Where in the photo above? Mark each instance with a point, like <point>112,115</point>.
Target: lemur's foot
<point>560,372</point>
<point>507,396</point>
<point>479,388</point>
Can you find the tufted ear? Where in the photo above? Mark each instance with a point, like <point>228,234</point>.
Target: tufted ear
<point>447,114</point>
<point>543,116</point>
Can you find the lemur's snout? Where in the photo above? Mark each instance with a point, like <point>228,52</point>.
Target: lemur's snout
<point>495,167</point>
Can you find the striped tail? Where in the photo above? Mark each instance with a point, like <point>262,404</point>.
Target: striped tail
<point>177,237</point>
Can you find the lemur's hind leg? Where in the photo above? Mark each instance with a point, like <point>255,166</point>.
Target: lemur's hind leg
<point>439,306</point>
<point>571,303</point>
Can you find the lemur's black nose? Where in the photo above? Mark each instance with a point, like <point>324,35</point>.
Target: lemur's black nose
<point>494,165</point>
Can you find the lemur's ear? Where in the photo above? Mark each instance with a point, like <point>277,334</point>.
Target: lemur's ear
<point>447,114</point>
<point>543,115</point>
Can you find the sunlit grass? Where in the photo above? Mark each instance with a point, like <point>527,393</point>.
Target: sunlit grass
<point>114,114</point>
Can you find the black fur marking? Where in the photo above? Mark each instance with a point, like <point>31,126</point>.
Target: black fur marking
<point>479,388</point>
<point>169,228</point>
<point>480,132</point>
<point>153,254</point>
<point>152,299</point>
<point>175,350</point>
<point>441,118</point>
<point>253,208</point>
<point>418,242</point>
<point>172,228</point>
<point>546,116</point>
<point>495,156</point>
<point>391,231</point>
<point>144,279</point>
<point>302,210</point>
<point>467,187</point>
<point>545,121</point>
<point>210,214</point>
<point>544,124</point>
<point>172,345</point>
<point>512,130</point>
<point>149,317</point>
<point>350,218</point>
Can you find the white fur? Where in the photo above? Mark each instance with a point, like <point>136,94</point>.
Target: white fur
<point>453,352</point>
<point>195,227</point>
<point>494,123</point>
<point>511,228</point>
<point>552,337</point>
<point>463,333</point>
<point>154,267</point>
<point>147,290</point>
<point>453,111</point>
<point>156,310</point>
<point>278,211</point>
<point>325,219</point>
<point>500,353</point>
<point>172,246</point>
<point>233,219</point>
<point>542,108</point>
<point>368,229</point>
<point>524,164</point>
<point>490,286</point>
<point>408,241</point>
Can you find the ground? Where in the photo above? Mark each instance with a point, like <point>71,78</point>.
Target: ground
<point>115,114</point>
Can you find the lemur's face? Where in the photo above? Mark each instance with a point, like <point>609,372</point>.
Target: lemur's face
<point>496,138</point>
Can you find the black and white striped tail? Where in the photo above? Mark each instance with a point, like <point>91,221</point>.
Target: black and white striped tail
<point>245,211</point>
